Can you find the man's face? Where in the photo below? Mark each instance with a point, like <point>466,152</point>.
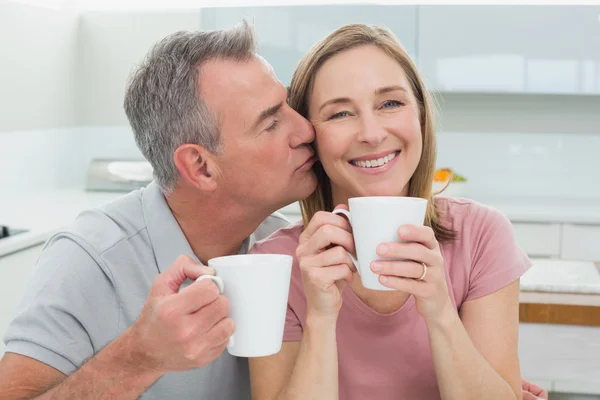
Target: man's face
<point>266,161</point>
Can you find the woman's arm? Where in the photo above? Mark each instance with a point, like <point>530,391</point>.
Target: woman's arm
<point>301,370</point>
<point>476,356</point>
<point>309,369</point>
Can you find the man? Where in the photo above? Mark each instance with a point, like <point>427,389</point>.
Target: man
<point>103,316</point>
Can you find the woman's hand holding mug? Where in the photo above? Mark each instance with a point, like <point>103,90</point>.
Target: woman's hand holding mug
<point>420,271</point>
<point>325,263</point>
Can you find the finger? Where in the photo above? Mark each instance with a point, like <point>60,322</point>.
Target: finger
<point>419,234</point>
<point>325,277</point>
<point>219,334</point>
<point>529,396</point>
<point>208,316</point>
<point>324,237</point>
<point>334,256</point>
<point>193,297</point>
<point>417,288</point>
<point>324,218</point>
<point>403,269</point>
<point>182,269</point>
<point>410,251</point>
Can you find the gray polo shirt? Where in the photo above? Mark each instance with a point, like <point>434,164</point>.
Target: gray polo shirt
<point>90,284</point>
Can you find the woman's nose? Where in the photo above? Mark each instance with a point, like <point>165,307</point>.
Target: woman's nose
<point>372,132</point>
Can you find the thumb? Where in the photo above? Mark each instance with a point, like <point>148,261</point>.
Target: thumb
<point>182,269</point>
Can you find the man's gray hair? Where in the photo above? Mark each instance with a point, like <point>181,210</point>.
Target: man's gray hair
<point>163,101</point>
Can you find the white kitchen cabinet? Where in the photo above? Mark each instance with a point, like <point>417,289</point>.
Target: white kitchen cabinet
<point>566,355</point>
<point>512,49</point>
<point>581,242</point>
<point>286,33</point>
<point>538,239</point>
<point>15,270</point>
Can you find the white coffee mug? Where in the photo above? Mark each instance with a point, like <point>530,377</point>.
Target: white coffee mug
<point>257,286</point>
<point>376,220</point>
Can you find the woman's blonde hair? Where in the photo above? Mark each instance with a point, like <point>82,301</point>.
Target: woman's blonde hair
<point>346,38</point>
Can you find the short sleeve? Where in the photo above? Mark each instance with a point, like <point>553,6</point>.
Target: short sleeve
<point>292,332</point>
<point>67,305</point>
<point>498,260</point>
<point>285,241</point>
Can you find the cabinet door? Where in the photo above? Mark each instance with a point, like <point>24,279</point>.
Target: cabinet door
<point>514,49</point>
<point>581,242</point>
<point>565,354</point>
<point>15,270</point>
<point>286,33</point>
<point>538,240</point>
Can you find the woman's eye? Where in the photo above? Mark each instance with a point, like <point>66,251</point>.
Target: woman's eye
<point>339,115</point>
<point>273,126</point>
<point>391,103</point>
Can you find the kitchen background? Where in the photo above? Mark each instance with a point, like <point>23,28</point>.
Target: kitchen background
<point>518,89</point>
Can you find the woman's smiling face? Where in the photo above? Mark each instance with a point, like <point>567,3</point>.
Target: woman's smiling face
<point>366,117</point>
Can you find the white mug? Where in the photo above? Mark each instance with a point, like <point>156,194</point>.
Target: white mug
<point>376,220</point>
<point>257,286</point>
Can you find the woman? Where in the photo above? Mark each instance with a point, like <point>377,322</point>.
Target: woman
<point>450,329</point>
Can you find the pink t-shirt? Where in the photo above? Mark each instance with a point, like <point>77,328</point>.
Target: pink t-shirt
<point>387,356</point>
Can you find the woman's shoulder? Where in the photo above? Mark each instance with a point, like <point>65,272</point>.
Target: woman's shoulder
<point>282,241</point>
<point>469,214</point>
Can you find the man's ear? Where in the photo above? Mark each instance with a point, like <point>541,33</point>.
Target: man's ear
<point>196,166</point>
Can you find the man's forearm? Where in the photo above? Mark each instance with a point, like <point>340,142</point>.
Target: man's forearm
<point>315,374</point>
<point>462,372</point>
<point>115,372</point>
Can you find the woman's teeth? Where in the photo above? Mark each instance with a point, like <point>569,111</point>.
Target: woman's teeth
<point>374,163</point>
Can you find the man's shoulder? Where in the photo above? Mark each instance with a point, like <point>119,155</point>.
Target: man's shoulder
<point>102,228</point>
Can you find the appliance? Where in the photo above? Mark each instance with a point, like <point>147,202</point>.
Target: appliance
<point>116,175</point>
<point>6,231</point>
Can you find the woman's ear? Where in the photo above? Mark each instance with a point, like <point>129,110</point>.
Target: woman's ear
<point>195,165</point>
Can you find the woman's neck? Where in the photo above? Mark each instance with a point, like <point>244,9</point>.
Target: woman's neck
<point>381,301</point>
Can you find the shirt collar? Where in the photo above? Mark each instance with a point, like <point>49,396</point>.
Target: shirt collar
<point>166,237</point>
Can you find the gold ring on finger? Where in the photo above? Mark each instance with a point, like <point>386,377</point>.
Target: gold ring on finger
<point>424,272</point>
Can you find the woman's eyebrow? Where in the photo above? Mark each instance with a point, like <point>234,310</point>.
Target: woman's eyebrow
<point>337,100</point>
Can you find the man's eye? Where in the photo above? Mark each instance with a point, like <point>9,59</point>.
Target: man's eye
<point>273,126</point>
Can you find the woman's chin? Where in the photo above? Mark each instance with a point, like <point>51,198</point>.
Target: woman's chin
<point>381,191</point>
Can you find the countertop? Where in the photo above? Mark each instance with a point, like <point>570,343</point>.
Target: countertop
<point>562,276</point>
<point>44,213</point>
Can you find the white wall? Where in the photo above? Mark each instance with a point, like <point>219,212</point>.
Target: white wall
<point>545,145</point>
<point>111,45</point>
<point>37,61</point>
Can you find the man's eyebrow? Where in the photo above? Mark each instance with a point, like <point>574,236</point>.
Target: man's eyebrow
<point>269,112</point>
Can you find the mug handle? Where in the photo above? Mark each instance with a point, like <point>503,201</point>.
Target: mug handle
<point>347,215</point>
<point>219,282</point>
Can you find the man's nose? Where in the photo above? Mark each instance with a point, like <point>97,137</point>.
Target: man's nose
<point>303,131</point>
